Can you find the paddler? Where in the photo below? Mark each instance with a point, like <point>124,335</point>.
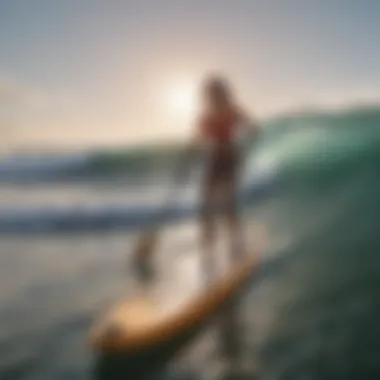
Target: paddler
<point>217,128</point>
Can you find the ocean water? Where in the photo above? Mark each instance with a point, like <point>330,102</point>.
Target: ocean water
<point>311,314</point>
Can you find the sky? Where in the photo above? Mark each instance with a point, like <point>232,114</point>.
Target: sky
<point>81,73</point>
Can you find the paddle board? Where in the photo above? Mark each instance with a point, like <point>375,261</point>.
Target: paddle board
<point>145,322</point>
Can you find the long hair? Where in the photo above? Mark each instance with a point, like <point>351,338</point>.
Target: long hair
<point>217,91</point>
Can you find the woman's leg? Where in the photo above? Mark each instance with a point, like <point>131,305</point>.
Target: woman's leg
<point>233,222</point>
<point>208,234</point>
<point>236,238</point>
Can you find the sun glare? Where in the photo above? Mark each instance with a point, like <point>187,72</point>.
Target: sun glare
<point>182,100</point>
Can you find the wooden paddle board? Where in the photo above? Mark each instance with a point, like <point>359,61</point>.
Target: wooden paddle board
<point>139,324</point>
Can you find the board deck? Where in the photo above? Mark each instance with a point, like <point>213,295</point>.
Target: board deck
<point>144,322</point>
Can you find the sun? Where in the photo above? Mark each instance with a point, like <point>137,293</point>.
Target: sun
<point>181,99</point>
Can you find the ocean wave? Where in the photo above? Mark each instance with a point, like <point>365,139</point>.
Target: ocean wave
<point>290,138</point>
<point>113,217</point>
<point>129,162</point>
<point>303,152</point>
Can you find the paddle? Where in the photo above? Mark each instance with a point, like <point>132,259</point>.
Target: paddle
<point>147,243</point>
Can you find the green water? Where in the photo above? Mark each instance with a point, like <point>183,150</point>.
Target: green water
<point>326,295</point>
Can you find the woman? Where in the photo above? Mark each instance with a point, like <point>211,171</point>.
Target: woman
<point>217,128</point>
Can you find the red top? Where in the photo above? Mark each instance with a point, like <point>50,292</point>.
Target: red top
<point>220,127</point>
